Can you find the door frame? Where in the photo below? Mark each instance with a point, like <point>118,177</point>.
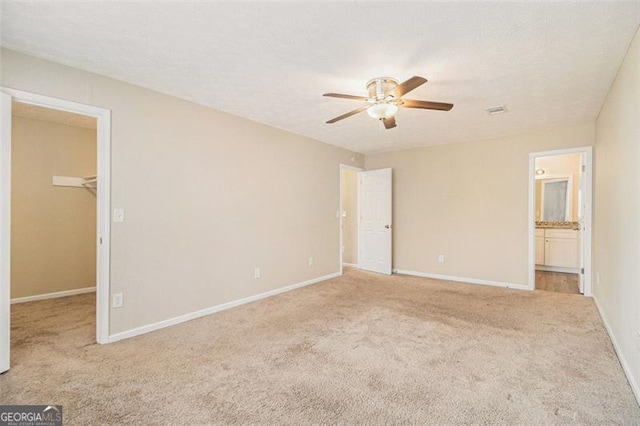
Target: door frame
<point>355,169</point>
<point>587,231</point>
<point>103,199</point>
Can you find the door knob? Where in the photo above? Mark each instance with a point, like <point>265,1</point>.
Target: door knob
<point>387,226</point>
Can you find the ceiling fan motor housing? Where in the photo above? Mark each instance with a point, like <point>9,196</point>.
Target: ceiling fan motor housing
<point>382,87</point>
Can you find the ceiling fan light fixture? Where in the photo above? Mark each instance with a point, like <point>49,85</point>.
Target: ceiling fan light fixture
<point>385,97</point>
<point>382,110</point>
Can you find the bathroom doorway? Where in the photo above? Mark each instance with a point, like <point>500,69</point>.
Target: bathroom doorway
<point>560,221</point>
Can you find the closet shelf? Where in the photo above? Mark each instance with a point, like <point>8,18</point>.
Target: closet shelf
<point>73,181</point>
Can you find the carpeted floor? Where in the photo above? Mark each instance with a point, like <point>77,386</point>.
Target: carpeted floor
<point>360,349</point>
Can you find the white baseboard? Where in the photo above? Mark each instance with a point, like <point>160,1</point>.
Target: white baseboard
<point>53,295</point>
<point>352,265</point>
<point>623,361</point>
<point>212,310</point>
<point>557,269</point>
<point>462,279</point>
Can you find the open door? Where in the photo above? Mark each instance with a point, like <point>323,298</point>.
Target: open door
<point>374,227</point>
<point>5,221</point>
<point>582,206</point>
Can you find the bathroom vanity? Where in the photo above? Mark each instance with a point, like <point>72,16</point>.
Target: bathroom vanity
<point>558,246</point>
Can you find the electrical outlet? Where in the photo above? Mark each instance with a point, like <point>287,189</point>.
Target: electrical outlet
<point>118,215</point>
<point>256,273</point>
<point>311,261</point>
<point>597,278</point>
<point>441,258</point>
<point>118,300</point>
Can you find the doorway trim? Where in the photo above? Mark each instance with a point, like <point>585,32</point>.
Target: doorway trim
<point>587,234</point>
<point>355,169</point>
<point>103,199</point>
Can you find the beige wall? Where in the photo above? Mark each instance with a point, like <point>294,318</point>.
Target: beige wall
<point>560,165</point>
<point>350,218</point>
<point>617,210</point>
<point>468,202</point>
<point>53,229</point>
<point>208,197</point>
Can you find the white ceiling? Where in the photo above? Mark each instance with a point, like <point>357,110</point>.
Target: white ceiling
<point>34,112</point>
<point>550,63</point>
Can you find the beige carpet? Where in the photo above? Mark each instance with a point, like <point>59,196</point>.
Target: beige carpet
<point>360,349</point>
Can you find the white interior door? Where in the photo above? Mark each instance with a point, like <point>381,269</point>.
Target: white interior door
<point>582,206</point>
<point>5,228</point>
<point>374,227</point>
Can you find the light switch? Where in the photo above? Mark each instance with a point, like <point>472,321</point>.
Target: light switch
<point>118,215</point>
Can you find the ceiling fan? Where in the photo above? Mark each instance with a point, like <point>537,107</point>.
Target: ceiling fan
<point>385,97</point>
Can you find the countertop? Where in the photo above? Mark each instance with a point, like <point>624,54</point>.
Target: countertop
<point>558,225</point>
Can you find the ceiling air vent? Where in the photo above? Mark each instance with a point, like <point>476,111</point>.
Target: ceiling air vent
<point>494,110</point>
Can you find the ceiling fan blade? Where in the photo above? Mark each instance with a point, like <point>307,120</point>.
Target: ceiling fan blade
<point>389,123</point>
<point>340,95</point>
<point>411,103</point>
<point>409,85</point>
<point>349,114</point>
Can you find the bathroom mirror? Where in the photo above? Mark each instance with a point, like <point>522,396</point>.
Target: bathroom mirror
<point>555,203</point>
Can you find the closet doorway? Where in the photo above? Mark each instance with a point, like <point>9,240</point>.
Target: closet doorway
<point>365,219</point>
<point>54,213</point>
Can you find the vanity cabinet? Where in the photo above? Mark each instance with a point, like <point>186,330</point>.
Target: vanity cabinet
<point>557,247</point>
<point>539,246</point>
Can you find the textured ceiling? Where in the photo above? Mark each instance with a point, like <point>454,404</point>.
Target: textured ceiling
<point>550,63</point>
<point>34,112</point>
